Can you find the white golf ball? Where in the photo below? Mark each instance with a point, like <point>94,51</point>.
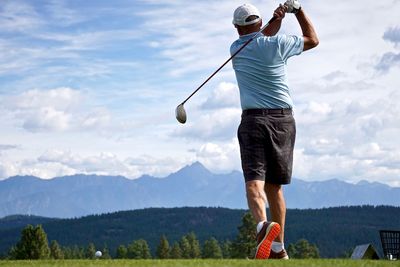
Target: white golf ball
<point>98,254</point>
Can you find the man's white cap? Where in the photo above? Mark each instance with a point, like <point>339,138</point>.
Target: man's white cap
<point>242,13</point>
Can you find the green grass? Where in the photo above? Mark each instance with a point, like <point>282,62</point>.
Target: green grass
<point>203,263</point>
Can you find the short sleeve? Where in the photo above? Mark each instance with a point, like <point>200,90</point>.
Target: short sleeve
<point>290,45</point>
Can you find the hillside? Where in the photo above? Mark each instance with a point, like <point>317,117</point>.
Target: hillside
<point>192,186</point>
<point>334,230</point>
<point>17,221</point>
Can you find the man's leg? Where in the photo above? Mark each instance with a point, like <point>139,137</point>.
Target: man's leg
<point>251,135</point>
<point>256,199</point>
<point>266,231</point>
<point>277,207</point>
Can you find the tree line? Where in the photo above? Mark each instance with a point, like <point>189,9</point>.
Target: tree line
<point>33,244</point>
<point>336,231</point>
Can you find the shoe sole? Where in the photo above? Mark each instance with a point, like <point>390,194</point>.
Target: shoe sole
<point>264,248</point>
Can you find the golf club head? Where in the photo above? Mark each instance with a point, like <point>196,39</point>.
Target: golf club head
<point>180,113</point>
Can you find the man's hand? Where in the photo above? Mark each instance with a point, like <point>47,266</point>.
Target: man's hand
<point>280,12</point>
<point>293,6</point>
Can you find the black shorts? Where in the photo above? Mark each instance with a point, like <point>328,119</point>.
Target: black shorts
<point>266,138</point>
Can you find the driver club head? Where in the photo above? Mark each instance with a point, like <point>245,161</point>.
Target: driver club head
<point>180,113</point>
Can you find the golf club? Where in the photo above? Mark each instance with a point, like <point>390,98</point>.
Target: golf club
<point>180,112</point>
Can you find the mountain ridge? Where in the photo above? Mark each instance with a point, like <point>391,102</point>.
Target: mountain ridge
<point>192,186</point>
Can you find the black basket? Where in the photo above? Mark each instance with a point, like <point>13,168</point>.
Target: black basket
<point>390,244</point>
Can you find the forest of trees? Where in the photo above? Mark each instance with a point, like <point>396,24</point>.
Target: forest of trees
<point>34,244</point>
<point>335,231</point>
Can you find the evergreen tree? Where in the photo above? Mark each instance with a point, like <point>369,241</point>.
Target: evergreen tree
<point>133,250</point>
<point>105,253</point>
<point>145,250</point>
<point>55,251</point>
<point>212,249</point>
<point>90,251</point>
<point>12,253</point>
<point>346,254</point>
<point>163,248</point>
<point>302,249</point>
<point>122,252</point>
<point>195,250</point>
<point>226,249</point>
<point>74,252</point>
<point>176,252</point>
<point>78,252</point>
<point>245,243</point>
<point>32,245</point>
<point>185,247</point>
<point>67,251</point>
<point>139,249</point>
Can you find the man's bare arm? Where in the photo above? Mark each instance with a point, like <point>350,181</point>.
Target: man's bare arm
<point>274,27</point>
<point>309,33</point>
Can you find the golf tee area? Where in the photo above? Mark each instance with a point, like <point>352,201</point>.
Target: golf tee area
<point>203,263</point>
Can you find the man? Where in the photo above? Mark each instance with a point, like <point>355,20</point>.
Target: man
<point>267,131</point>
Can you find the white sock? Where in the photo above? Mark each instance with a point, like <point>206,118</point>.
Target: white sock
<point>277,246</point>
<point>259,226</point>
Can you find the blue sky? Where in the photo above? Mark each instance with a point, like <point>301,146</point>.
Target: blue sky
<point>91,87</point>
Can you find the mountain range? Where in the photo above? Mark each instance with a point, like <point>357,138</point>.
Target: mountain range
<point>192,186</point>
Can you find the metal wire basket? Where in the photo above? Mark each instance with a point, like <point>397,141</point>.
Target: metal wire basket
<point>390,244</point>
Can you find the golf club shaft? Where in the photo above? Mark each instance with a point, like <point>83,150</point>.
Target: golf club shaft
<point>229,59</point>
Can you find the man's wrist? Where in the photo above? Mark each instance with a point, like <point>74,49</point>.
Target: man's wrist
<point>299,11</point>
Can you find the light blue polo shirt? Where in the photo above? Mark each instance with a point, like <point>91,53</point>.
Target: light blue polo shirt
<point>260,69</point>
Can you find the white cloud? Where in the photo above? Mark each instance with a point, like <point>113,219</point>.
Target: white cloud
<point>18,16</point>
<point>39,111</point>
<point>368,151</point>
<point>322,146</point>
<point>159,167</point>
<point>8,169</point>
<point>226,95</point>
<point>7,147</point>
<point>351,140</point>
<point>46,119</point>
<point>62,98</point>
<point>334,75</point>
<point>97,119</point>
<point>388,61</point>
<point>187,45</point>
<point>104,163</point>
<point>55,162</point>
<point>392,35</point>
<point>344,167</point>
<point>62,14</point>
<point>220,157</point>
<point>44,110</point>
<point>56,110</point>
<point>319,108</point>
<point>215,118</point>
<point>214,124</point>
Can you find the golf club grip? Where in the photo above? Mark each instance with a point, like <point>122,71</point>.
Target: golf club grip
<point>229,59</point>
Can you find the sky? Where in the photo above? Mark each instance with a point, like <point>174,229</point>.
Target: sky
<point>91,87</point>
